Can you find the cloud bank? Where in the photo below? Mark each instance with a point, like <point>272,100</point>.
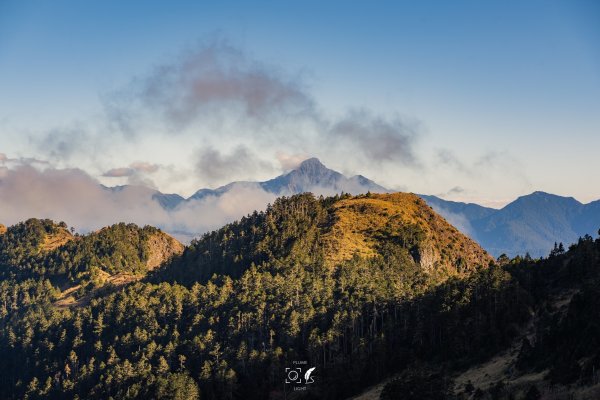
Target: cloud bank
<point>73,196</point>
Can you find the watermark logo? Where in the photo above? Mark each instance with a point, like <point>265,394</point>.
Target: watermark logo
<point>307,376</point>
<point>300,375</point>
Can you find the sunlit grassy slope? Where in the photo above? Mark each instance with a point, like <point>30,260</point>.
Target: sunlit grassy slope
<point>306,230</point>
<point>361,224</point>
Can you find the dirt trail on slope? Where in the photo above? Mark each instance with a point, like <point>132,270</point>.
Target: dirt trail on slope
<point>68,299</point>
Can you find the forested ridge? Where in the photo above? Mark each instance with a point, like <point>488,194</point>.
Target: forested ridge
<point>223,319</point>
<point>328,231</point>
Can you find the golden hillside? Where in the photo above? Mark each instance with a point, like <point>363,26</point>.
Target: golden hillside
<point>56,238</point>
<point>361,223</point>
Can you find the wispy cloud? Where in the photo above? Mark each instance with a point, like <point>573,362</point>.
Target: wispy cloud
<point>289,161</point>
<point>214,80</point>
<point>137,173</point>
<point>134,168</point>
<point>496,164</point>
<point>215,166</point>
<point>63,143</point>
<point>119,172</point>
<point>452,191</point>
<point>228,117</point>
<point>380,139</point>
<point>144,166</point>
<point>446,158</point>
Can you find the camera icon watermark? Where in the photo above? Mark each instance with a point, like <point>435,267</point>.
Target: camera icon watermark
<point>300,375</point>
<point>293,375</point>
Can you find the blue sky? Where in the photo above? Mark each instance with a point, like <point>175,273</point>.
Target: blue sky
<point>493,99</point>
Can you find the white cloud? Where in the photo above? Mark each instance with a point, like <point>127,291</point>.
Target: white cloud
<point>71,195</point>
<point>290,161</point>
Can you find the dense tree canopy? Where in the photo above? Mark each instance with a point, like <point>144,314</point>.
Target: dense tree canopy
<point>223,320</point>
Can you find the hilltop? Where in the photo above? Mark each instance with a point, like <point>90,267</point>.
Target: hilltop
<point>42,248</point>
<point>362,223</point>
<point>333,230</point>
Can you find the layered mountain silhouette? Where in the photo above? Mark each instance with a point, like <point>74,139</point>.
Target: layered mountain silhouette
<point>530,224</point>
<point>310,176</point>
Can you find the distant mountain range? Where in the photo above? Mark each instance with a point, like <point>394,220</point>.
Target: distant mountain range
<point>530,224</point>
<point>310,176</point>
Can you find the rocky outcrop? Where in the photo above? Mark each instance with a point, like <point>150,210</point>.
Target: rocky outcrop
<point>162,247</point>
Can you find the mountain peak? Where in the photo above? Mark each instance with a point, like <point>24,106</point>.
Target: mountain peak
<point>309,176</point>
<point>311,164</point>
<point>547,197</point>
<point>312,176</point>
<point>541,193</point>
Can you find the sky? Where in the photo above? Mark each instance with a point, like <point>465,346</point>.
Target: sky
<point>468,100</point>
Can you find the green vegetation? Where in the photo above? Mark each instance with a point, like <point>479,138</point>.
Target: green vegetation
<point>224,319</point>
<point>559,350</point>
<point>42,249</point>
<point>330,231</point>
<point>567,341</point>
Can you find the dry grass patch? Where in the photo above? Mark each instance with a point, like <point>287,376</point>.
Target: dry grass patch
<point>57,239</point>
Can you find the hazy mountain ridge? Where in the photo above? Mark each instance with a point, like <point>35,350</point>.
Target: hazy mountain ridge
<point>310,176</point>
<point>471,211</point>
<point>530,224</point>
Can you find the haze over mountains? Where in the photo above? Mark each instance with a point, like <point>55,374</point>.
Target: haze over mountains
<point>532,223</point>
<point>310,176</point>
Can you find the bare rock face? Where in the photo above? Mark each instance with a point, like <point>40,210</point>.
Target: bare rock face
<point>428,258</point>
<point>162,248</point>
